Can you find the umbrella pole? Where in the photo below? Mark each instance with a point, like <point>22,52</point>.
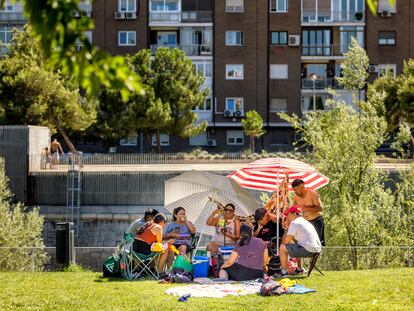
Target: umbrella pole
<point>277,213</point>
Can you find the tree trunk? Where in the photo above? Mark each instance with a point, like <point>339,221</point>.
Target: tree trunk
<point>149,141</point>
<point>65,137</point>
<point>252,143</point>
<point>158,141</point>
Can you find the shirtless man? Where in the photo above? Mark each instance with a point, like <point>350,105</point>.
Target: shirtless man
<point>311,205</point>
<point>55,148</point>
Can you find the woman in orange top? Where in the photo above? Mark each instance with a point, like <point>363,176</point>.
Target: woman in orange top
<point>148,234</point>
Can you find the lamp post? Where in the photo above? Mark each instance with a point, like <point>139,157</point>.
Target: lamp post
<point>314,77</point>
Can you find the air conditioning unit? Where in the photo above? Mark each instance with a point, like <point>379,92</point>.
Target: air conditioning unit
<point>119,15</point>
<point>385,14</point>
<point>239,113</point>
<point>294,40</point>
<point>373,69</point>
<point>211,143</point>
<point>75,14</point>
<point>131,15</point>
<point>228,113</point>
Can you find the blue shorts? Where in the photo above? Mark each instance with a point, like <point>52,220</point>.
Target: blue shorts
<point>298,251</point>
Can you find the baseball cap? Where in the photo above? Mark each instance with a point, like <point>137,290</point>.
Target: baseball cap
<point>293,209</point>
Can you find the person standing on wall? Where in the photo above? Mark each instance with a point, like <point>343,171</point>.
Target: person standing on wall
<point>55,149</point>
<point>311,206</point>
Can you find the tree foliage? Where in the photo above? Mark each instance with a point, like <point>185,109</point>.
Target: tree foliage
<point>21,242</point>
<point>60,32</point>
<point>172,90</point>
<point>253,126</point>
<point>33,92</point>
<point>359,210</point>
<point>354,68</point>
<point>397,104</point>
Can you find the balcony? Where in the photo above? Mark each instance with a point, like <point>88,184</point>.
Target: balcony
<point>165,17</point>
<point>313,17</point>
<point>197,17</point>
<point>332,50</point>
<point>190,50</point>
<point>12,17</point>
<point>320,84</point>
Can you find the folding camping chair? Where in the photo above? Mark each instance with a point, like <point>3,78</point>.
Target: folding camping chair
<point>312,264</point>
<point>135,265</point>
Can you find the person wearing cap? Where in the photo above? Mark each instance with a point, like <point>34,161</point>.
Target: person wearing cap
<point>139,223</point>
<point>306,240</point>
<point>311,205</point>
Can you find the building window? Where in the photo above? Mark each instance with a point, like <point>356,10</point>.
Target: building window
<point>278,71</point>
<point>387,70</point>
<point>204,68</point>
<point>385,5</point>
<point>346,34</point>
<point>164,139</point>
<point>278,38</point>
<point>205,106</point>
<point>8,7</point>
<point>6,34</point>
<point>126,38</point>
<point>235,138</point>
<point>234,6</point>
<point>279,6</point>
<point>165,5</point>
<point>129,141</point>
<point>127,6</point>
<point>316,42</point>
<point>234,103</point>
<point>386,37</point>
<point>309,105</point>
<point>278,105</point>
<point>199,140</point>
<point>234,72</point>
<point>234,38</point>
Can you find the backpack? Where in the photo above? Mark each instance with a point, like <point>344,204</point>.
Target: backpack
<point>179,275</point>
<point>111,267</point>
<point>183,262</point>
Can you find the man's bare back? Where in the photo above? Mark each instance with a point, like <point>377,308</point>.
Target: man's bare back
<point>310,204</point>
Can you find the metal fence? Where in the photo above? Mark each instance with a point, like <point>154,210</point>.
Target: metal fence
<point>333,258</point>
<point>163,158</point>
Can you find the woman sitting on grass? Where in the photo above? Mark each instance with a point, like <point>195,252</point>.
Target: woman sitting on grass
<point>247,260</point>
<point>150,233</point>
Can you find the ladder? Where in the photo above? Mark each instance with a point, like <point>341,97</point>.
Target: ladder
<point>74,188</point>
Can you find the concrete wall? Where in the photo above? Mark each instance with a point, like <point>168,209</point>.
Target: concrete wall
<point>16,149</point>
<point>103,188</point>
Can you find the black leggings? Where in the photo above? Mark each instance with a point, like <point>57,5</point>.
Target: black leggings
<point>141,247</point>
<point>238,272</point>
<point>319,225</point>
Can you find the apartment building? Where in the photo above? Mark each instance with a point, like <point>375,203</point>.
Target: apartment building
<point>267,55</point>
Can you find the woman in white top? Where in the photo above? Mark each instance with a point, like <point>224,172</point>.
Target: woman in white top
<point>227,228</point>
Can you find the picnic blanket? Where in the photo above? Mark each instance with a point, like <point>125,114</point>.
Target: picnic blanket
<point>216,290</point>
<point>219,289</point>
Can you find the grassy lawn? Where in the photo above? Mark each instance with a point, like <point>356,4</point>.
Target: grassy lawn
<point>390,289</point>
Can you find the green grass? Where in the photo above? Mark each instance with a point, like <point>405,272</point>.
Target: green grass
<point>390,289</point>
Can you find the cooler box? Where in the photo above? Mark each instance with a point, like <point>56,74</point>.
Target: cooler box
<point>200,265</point>
<point>225,252</point>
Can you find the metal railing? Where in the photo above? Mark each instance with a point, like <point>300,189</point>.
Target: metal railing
<point>333,17</point>
<point>324,50</point>
<point>12,17</point>
<point>197,16</point>
<point>165,16</point>
<point>195,49</point>
<point>332,258</point>
<point>320,83</point>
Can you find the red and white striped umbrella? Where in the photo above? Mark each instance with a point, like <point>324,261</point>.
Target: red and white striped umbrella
<point>266,174</point>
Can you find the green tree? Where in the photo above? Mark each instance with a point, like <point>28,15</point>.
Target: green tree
<point>33,92</point>
<point>60,32</point>
<point>354,68</point>
<point>253,126</point>
<point>21,242</point>
<point>397,104</point>
<point>358,209</point>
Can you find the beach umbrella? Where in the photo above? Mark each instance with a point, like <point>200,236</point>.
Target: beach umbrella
<point>193,190</point>
<point>267,174</point>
